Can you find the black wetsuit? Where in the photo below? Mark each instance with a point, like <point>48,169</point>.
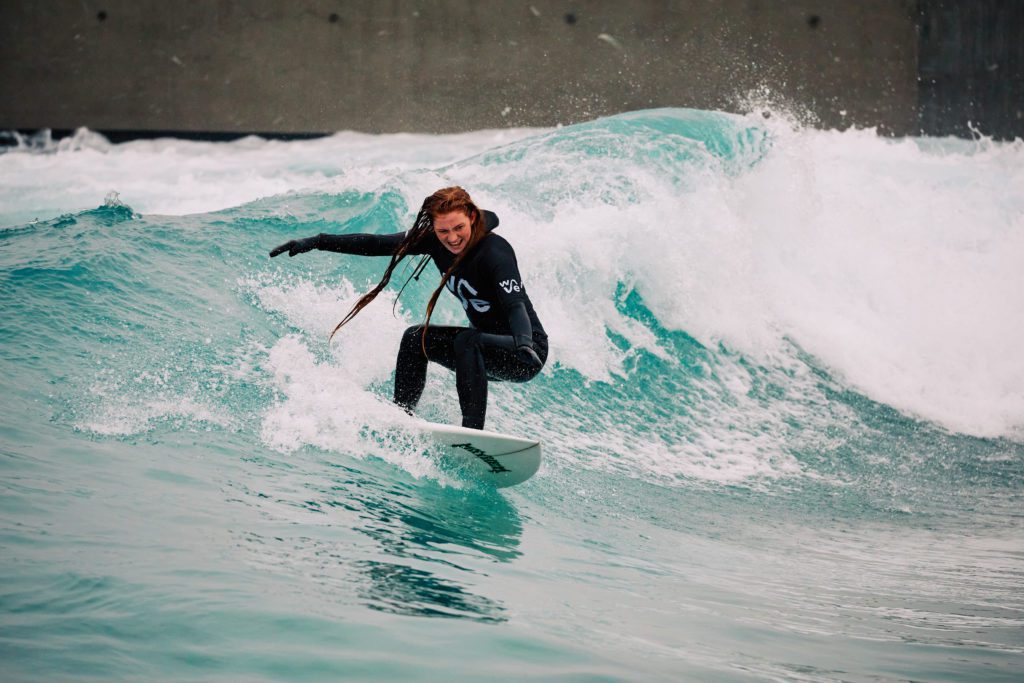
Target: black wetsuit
<point>490,288</point>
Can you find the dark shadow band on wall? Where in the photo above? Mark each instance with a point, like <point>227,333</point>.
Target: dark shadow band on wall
<point>34,137</point>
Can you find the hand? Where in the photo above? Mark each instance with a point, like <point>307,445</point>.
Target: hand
<point>529,357</point>
<point>294,247</point>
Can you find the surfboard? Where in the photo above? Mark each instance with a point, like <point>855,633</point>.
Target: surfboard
<point>499,458</point>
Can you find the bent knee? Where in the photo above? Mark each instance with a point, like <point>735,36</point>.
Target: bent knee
<point>466,339</point>
<point>413,332</point>
<point>411,337</point>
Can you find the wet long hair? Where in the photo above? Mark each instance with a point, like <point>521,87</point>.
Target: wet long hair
<point>445,200</point>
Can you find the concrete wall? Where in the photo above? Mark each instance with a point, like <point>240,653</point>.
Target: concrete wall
<point>971,67</point>
<point>300,66</point>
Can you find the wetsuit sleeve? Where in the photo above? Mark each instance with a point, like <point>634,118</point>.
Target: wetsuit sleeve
<point>361,244</point>
<point>519,323</point>
<point>504,269</point>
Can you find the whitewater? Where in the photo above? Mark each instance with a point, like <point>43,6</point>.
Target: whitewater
<point>783,411</point>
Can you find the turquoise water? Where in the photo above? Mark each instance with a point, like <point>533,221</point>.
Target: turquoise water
<point>783,416</point>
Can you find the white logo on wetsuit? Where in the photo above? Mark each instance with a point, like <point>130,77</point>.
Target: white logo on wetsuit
<point>510,286</point>
<point>481,305</point>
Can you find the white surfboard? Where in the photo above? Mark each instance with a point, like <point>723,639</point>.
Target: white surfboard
<point>501,459</point>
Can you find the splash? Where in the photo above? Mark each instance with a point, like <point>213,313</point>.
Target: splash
<point>731,299</point>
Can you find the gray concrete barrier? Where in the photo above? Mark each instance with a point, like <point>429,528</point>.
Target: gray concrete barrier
<point>318,66</point>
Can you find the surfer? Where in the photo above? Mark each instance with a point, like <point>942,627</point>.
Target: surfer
<point>505,340</point>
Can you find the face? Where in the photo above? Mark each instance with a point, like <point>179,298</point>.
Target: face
<point>453,230</point>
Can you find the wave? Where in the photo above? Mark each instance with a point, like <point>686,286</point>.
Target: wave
<point>731,299</point>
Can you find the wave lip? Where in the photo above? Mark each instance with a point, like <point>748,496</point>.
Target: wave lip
<point>895,264</point>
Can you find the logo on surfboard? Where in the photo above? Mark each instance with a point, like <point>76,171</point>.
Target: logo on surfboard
<point>489,459</point>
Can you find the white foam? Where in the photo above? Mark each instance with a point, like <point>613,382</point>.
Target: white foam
<point>330,402</point>
<point>901,268</point>
<point>127,415</point>
<point>896,263</point>
<point>177,177</point>
<point>899,264</point>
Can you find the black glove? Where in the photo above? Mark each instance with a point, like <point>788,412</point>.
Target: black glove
<point>294,247</point>
<point>526,354</point>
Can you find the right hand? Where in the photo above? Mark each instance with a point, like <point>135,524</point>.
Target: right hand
<point>528,356</point>
<point>294,247</point>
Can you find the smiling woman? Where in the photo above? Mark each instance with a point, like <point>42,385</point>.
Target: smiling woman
<point>453,229</point>
<point>505,340</point>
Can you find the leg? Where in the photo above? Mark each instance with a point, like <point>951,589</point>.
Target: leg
<point>471,378</point>
<point>474,356</point>
<point>480,356</point>
<point>411,365</point>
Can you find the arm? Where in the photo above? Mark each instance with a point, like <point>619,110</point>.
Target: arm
<point>512,297</point>
<point>519,323</point>
<point>359,245</point>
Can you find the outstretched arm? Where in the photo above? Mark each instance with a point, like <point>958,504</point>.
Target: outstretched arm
<point>359,245</point>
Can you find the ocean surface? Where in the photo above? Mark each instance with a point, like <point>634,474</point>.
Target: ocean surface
<point>783,415</point>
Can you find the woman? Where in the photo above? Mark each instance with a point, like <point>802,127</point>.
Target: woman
<point>505,341</point>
